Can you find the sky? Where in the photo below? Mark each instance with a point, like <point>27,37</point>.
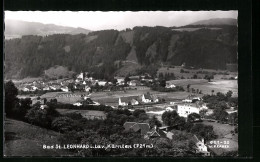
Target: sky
<point>98,20</point>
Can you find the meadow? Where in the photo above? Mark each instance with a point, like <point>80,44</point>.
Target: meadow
<point>88,114</point>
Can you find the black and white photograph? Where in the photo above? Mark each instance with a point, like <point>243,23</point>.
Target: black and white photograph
<point>121,84</point>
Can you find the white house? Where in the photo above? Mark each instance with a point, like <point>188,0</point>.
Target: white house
<point>47,88</point>
<point>200,146</point>
<point>148,98</point>
<point>34,88</point>
<point>65,89</point>
<point>191,98</point>
<point>185,109</point>
<point>124,101</point>
<point>120,103</point>
<point>77,104</point>
<point>87,88</point>
<point>80,76</point>
<point>25,89</point>
<point>169,109</point>
<point>102,83</point>
<point>170,85</point>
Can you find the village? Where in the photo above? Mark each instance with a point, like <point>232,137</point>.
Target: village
<point>131,93</point>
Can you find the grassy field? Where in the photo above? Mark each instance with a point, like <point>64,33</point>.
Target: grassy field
<point>221,129</point>
<point>224,135</point>
<point>217,85</point>
<point>89,114</point>
<point>23,139</point>
<point>176,70</point>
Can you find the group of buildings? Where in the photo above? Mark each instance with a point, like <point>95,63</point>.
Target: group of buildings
<point>136,100</point>
<point>164,132</point>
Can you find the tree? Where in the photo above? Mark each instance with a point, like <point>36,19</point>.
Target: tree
<point>11,101</point>
<point>193,117</point>
<point>25,105</point>
<point>212,92</point>
<point>38,116</point>
<point>62,124</point>
<point>229,94</point>
<point>172,118</point>
<point>203,113</point>
<point>137,112</point>
<point>163,83</point>
<point>188,87</point>
<point>220,115</point>
<point>127,79</point>
<point>154,122</point>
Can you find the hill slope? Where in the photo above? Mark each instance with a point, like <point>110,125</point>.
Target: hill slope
<point>16,29</point>
<point>23,139</point>
<point>103,52</point>
<point>217,21</point>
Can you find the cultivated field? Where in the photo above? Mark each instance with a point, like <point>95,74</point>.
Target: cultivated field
<point>23,139</point>
<point>89,114</point>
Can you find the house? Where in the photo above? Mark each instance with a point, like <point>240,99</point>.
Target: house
<point>133,83</point>
<point>192,98</point>
<point>87,88</point>
<point>148,98</point>
<point>170,85</point>
<point>80,76</point>
<point>102,83</point>
<point>130,100</point>
<point>169,109</point>
<point>26,89</point>
<point>34,88</point>
<point>43,107</point>
<point>120,80</point>
<point>38,100</point>
<point>65,89</point>
<point>143,128</point>
<point>47,88</point>
<point>122,103</point>
<point>78,103</point>
<point>200,146</point>
<point>188,108</point>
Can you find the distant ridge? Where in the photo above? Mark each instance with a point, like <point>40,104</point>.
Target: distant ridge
<point>17,28</point>
<point>216,21</point>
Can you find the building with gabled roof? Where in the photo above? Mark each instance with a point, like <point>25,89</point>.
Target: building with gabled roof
<point>200,146</point>
<point>143,128</point>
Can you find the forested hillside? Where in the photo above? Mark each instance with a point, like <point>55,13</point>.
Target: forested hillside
<point>105,52</point>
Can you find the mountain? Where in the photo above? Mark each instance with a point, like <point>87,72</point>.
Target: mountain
<point>16,29</point>
<point>132,51</point>
<point>217,21</point>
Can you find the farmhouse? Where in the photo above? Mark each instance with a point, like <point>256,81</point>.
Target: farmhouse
<point>188,108</point>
